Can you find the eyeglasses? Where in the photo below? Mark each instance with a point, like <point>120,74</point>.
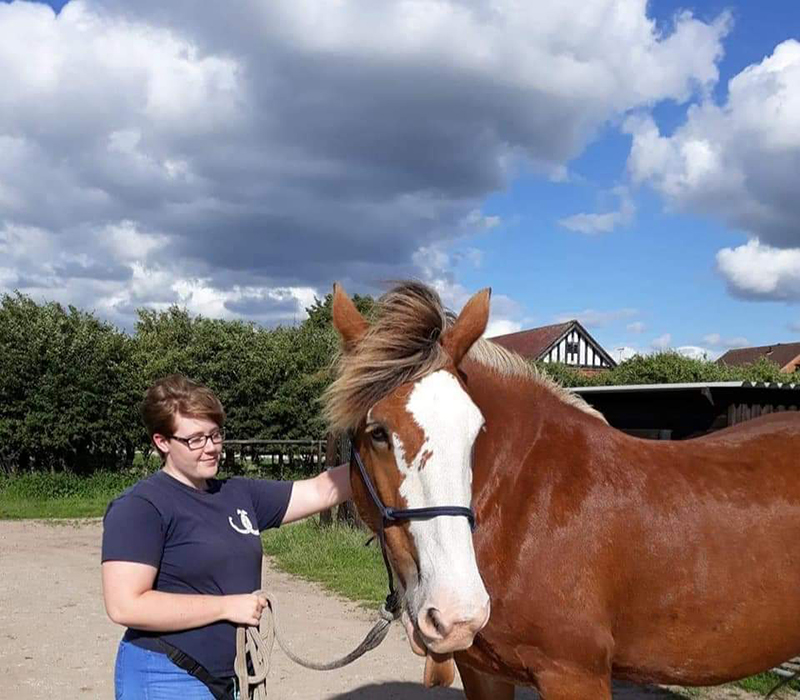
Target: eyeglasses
<point>198,442</point>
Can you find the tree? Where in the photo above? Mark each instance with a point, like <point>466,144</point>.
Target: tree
<point>64,381</point>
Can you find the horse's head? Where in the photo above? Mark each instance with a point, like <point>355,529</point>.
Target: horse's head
<point>414,426</point>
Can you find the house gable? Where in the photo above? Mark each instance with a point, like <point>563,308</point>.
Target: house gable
<point>569,343</point>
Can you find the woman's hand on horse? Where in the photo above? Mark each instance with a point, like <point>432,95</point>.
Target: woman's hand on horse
<point>244,609</point>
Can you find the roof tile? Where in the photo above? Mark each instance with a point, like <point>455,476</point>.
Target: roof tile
<point>781,353</point>
<point>532,343</point>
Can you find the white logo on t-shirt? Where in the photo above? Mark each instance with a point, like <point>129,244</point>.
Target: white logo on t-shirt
<point>247,527</point>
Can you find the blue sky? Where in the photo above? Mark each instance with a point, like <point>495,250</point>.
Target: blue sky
<point>663,264</point>
<point>586,162</point>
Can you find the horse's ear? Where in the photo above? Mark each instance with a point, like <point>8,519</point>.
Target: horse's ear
<point>469,326</point>
<point>347,319</point>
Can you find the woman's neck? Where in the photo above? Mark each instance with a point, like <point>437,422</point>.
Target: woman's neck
<point>199,484</point>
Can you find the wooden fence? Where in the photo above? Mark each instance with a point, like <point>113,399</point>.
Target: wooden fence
<point>276,459</point>
<point>292,459</point>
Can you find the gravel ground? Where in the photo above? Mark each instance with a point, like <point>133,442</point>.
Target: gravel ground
<point>56,641</point>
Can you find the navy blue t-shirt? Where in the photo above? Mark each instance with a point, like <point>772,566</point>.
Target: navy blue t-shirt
<point>204,542</point>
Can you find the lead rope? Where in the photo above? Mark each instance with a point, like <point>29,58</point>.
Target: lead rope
<point>255,644</point>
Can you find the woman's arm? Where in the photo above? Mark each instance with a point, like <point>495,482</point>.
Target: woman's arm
<point>131,601</point>
<point>310,496</point>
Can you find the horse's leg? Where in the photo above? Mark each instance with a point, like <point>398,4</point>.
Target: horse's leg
<point>569,684</point>
<point>480,686</point>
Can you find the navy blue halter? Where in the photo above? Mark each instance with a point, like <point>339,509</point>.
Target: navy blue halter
<point>392,516</point>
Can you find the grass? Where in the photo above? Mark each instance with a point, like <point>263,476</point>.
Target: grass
<point>62,495</point>
<point>764,682</point>
<point>332,556</point>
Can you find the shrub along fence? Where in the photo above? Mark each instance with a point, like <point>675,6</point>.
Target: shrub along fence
<point>71,384</point>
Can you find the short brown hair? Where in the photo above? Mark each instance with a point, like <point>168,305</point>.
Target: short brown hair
<point>177,394</point>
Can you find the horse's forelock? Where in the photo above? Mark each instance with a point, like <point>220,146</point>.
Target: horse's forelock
<point>402,346</point>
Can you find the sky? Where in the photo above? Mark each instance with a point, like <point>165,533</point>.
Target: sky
<point>633,165</point>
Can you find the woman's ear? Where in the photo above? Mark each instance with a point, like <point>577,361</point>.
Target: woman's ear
<point>347,320</point>
<point>469,326</point>
<point>161,442</point>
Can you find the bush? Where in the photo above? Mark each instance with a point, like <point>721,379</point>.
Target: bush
<point>666,368</point>
<point>65,383</point>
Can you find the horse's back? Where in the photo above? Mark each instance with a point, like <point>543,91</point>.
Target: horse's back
<point>713,565</point>
<point>786,423</point>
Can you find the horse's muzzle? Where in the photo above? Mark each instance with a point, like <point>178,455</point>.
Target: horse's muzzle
<point>446,631</point>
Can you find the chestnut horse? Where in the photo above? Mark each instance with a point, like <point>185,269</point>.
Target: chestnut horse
<point>602,554</point>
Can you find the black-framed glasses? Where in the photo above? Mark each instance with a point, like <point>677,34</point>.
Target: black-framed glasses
<point>198,442</point>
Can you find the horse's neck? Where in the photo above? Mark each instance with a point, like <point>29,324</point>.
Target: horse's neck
<point>513,406</point>
<point>519,410</point>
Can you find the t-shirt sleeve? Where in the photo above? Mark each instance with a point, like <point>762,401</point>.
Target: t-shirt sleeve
<point>133,531</point>
<point>271,500</point>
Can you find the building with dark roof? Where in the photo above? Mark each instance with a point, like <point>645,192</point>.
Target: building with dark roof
<point>680,411</point>
<point>569,343</point>
<point>785,355</point>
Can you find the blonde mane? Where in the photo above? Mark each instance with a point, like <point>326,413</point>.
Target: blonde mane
<point>402,345</point>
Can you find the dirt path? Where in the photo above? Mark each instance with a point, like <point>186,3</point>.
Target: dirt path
<point>56,642</point>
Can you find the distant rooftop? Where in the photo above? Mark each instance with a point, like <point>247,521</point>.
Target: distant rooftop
<point>781,354</point>
<point>533,342</point>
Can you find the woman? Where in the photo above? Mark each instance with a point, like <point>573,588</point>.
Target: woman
<point>182,552</point>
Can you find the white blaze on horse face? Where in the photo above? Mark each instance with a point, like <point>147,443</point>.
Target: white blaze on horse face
<point>449,601</point>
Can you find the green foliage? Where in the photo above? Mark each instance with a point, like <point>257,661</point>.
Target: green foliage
<point>764,682</point>
<point>333,556</point>
<point>47,486</point>
<point>667,368</point>
<point>64,381</point>
<point>564,374</point>
<point>62,494</point>
<point>320,313</point>
<point>72,385</point>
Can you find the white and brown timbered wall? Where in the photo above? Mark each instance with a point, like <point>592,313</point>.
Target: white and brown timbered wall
<point>578,350</point>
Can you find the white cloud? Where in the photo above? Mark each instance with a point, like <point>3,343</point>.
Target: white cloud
<point>636,327</point>
<point>606,222</point>
<point>759,271</point>
<point>289,142</point>
<point>715,340</point>
<point>479,221</point>
<point>591,318</point>
<point>435,266</point>
<point>696,353</point>
<point>738,162</point>
<point>502,326</point>
<point>662,342</point>
<point>626,352</point>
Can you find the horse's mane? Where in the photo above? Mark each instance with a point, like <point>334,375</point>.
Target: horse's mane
<point>402,345</point>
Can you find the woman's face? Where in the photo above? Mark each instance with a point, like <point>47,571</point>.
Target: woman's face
<point>191,466</point>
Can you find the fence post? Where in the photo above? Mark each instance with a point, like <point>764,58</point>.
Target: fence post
<point>347,511</point>
<point>326,516</point>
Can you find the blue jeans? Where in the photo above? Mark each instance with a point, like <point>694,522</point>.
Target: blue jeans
<point>141,674</point>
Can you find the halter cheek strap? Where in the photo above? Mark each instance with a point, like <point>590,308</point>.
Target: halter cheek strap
<point>392,516</point>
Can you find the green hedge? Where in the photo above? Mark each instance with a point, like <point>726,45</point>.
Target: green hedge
<point>666,368</point>
<point>70,384</point>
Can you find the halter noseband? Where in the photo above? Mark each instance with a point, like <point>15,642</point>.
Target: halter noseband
<point>392,516</point>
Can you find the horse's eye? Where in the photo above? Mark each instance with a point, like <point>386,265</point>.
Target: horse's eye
<point>379,435</point>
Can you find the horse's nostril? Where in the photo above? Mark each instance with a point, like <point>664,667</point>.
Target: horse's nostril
<point>438,622</point>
